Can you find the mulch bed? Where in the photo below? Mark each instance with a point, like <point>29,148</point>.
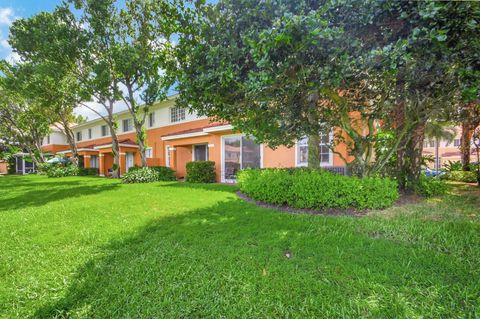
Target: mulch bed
<point>403,200</point>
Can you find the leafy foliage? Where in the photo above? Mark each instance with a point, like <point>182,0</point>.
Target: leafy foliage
<point>148,174</point>
<point>91,171</point>
<point>430,186</point>
<point>60,170</point>
<point>462,176</point>
<point>201,172</point>
<point>317,189</point>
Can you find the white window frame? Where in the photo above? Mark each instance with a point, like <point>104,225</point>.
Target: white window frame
<point>222,156</point>
<point>167,156</point>
<point>455,144</point>
<point>193,150</point>
<point>90,135</point>
<point>48,139</point>
<point>106,130</point>
<point>78,134</point>
<point>175,115</point>
<point>147,150</point>
<point>322,164</point>
<point>129,127</point>
<point>151,119</point>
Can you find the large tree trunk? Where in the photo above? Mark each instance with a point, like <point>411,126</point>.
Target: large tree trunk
<point>414,156</point>
<point>467,133</point>
<point>314,151</point>
<point>70,139</point>
<point>141,141</point>
<point>115,144</point>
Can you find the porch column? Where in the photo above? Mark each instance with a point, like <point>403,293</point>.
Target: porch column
<point>123,163</point>
<point>86,161</point>
<point>101,165</point>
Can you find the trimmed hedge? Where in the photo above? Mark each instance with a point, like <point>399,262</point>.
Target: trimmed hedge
<point>61,171</point>
<point>316,188</point>
<point>148,174</point>
<point>201,172</point>
<point>462,176</point>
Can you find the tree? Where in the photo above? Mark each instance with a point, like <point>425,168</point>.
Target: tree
<point>20,118</point>
<point>469,117</point>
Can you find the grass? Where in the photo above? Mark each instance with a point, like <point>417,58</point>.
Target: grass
<point>90,247</point>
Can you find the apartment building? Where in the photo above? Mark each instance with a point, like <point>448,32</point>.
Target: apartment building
<point>176,137</point>
<point>446,151</point>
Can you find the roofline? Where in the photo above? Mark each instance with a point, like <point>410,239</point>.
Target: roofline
<point>99,119</point>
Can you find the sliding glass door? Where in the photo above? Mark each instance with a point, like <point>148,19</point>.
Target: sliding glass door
<point>239,152</point>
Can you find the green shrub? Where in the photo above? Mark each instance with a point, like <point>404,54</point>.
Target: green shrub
<point>88,171</point>
<point>316,189</point>
<point>148,174</point>
<point>62,171</point>
<point>430,186</point>
<point>201,172</point>
<point>462,176</point>
<point>453,166</point>
<point>11,165</point>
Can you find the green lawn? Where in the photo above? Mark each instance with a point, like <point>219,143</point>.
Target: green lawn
<point>91,247</point>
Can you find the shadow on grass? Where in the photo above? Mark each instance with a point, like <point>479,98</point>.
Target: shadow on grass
<point>208,187</point>
<point>34,193</point>
<point>229,260</point>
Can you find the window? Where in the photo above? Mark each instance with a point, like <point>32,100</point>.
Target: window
<point>431,143</point>
<point>151,119</point>
<point>105,131</point>
<point>456,142</point>
<point>177,114</point>
<point>167,156</point>
<point>325,152</point>
<point>127,125</point>
<point>200,152</point>
<point>89,133</point>
<point>149,152</point>
<point>48,139</point>
<point>94,161</point>
<point>79,136</point>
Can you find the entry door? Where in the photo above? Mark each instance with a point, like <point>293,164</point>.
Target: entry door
<point>239,152</point>
<point>129,160</point>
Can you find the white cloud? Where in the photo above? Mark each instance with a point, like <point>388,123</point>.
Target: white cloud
<point>7,16</point>
<point>90,115</point>
<point>13,57</point>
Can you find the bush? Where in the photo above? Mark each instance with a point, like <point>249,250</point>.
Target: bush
<point>88,171</point>
<point>317,189</point>
<point>430,186</point>
<point>62,171</point>
<point>148,174</point>
<point>201,172</point>
<point>462,176</point>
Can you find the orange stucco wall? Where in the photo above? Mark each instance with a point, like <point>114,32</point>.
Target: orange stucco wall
<point>182,153</point>
<point>3,168</point>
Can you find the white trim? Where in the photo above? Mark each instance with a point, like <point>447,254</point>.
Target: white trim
<point>186,135</point>
<point>167,156</point>
<point>110,145</point>
<point>222,156</point>
<point>211,145</point>
<point>86,156</point>
<point>79,150</point>
<point>226,127</point>
<point>322,164</point>
<point>193,151</point>
<point>121,153</point>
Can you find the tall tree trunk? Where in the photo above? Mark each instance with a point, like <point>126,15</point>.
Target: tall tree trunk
<point>314,151</point>
<point>141,141</point>
<point>115,145</point>
<point>467,133</point>
<point>70,138</point>
<point>414,154</point>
